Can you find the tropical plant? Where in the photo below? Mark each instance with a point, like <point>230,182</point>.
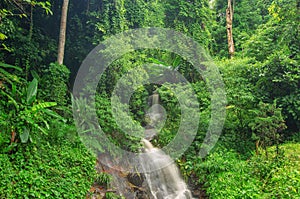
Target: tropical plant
<point>267,125</point>
<point>23,114</point>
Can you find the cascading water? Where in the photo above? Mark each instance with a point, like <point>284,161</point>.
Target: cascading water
<point>156,112</point>
<point>155,98</point>
<point>164,182</point>
<point>156,176</point>
<point>162,176</point>
<point>156,117</point>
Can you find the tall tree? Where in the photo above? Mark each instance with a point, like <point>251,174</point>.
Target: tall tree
<point>62,32</point>
<point>229,19</point>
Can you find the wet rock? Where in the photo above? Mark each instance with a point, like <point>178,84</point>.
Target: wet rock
<point>136,179</point>
<point>150,134</point>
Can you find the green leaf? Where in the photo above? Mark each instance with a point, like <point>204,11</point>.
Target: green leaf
<point>43,105</point>
<point>25,135</point>
<point>8,77</point>
<point>53,114</point>
<point>10,66</point>
<point>32,91</point>
<point>35,74</point>
<point>34,124</point>
<point>46,124</point>
<point>2,36</point>
<point>12,100</point>
<point>6,48</point>
<point>41,129</point>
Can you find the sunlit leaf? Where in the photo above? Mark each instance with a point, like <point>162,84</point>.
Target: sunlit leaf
<point>32,91</point>
<point>43,105</point>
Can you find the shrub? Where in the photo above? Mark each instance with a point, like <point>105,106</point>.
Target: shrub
<point>54,83</point>
<point>267,124</point>
<point>47,171</point>
<point>226,176</point>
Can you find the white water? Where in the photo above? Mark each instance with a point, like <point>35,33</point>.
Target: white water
<point>156,114</point>
<point>163,182</point>
<point>155,100</point>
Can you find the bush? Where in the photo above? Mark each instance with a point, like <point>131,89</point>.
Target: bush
<point>54,84</point>
<point>47,171</point>
<point>225,175</point>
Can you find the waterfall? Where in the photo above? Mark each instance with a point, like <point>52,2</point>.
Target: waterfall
<point>156,114</point>
<point>166,182</point>
<point>154,103</point>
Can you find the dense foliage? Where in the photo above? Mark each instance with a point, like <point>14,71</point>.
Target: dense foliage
<point>257,155</point>
<point>47,170</point>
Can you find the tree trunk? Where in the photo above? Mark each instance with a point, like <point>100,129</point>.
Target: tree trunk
<point>62,33</point>
<point>229,18</point>
<point>88,7</point>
